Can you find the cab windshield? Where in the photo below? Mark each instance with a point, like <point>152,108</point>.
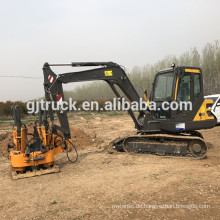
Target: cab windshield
<point>163,87</point>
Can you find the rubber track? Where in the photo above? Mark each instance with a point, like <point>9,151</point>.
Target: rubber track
<point>170,145</point>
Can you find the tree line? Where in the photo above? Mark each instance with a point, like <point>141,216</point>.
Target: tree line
<point>6,108</point>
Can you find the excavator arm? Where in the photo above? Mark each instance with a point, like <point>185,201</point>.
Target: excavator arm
<point>110,72</point>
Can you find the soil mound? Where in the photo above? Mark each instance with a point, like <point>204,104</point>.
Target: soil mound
<point>5,139</point>
<point>83,140</point>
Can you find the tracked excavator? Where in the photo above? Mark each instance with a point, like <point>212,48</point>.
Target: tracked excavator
<point>161,132</point>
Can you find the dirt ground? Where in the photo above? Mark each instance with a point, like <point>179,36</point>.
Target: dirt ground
<point>101,185</point>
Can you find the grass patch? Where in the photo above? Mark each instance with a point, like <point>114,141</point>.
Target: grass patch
<point>54,202</point>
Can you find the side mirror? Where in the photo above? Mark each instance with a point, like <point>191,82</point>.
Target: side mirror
<point>218,104</point>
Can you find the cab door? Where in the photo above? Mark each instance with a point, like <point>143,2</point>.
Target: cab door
<point>189,89</point>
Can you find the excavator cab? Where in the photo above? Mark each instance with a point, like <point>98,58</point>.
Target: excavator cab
<point>179,98</point>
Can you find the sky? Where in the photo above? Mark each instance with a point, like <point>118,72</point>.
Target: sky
<point>130,33</point>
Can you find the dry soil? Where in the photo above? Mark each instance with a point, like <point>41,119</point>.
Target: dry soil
<point>101,185</point>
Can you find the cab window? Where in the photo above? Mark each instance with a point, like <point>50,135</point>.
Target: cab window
<point>183,92</point>
<point>197,85</point>
<point>163,87</point>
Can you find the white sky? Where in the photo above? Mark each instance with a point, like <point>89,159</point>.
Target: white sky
<point>130,33</point>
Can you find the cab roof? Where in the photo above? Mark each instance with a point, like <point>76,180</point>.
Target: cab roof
<point>171,69</point>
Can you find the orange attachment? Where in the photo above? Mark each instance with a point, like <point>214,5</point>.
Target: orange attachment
<point>21,159</point>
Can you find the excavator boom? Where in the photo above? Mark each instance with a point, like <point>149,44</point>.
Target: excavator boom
<point>110,72</point>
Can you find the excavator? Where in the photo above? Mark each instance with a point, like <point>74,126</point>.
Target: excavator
<point>160,132</point>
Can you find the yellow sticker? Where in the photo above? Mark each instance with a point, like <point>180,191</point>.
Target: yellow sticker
<point>192,70</point>
<point>108,73</point>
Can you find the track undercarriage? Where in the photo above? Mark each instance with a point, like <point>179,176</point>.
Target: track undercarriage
<point>183,144</point>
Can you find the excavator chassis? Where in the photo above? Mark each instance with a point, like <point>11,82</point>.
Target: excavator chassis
<point>184,145</point>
